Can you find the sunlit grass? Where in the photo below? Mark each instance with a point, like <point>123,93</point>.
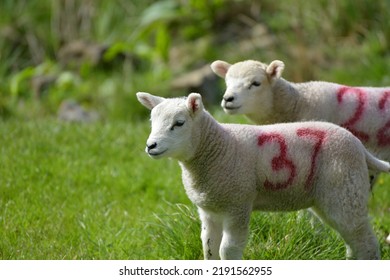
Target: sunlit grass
<point>84,192</point>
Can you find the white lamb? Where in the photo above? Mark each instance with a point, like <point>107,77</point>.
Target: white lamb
<point>229,170</point>
<point>258,91</point>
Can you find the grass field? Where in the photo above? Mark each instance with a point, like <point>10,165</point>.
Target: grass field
<point>90,192</point>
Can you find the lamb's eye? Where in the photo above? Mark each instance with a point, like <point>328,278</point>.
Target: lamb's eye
<point>255,84</point>
<point>177,124</point>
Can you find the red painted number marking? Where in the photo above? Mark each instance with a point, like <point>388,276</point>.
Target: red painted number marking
<point>351,122</point>
<point>382,135</point>
<point>318,136</point>
<point>279,162</point>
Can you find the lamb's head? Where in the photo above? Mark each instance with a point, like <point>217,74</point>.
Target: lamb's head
<point>248,85</point>
<point>174,131</point>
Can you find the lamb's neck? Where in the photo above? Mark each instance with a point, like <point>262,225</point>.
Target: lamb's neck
<point>212,145</point>
<point>286,100</point>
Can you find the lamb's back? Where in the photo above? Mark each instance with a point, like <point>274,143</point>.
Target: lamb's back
<point>290,159</point>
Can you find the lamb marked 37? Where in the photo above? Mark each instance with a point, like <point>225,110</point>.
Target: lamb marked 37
<point>230,170</point>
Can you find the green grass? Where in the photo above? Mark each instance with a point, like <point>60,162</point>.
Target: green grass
<point>90,192</point>
<point>78,192</point>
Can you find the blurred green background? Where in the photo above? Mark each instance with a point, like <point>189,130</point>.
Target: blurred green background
<point>75,182</point>
<point>99,53</point>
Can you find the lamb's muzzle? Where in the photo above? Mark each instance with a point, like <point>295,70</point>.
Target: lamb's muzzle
<point>229,104</point>
<point>151,146</point>
<point>228,98</point>
<point>153,150</point>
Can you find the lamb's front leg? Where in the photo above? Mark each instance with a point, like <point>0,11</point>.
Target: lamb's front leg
<point>235,234</point>
<point>211,234</point>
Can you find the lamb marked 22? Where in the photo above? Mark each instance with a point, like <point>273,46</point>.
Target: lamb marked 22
<point>229,170</point>
<point>383,136</point>
<point>360,108</point>
<point>258,91</point>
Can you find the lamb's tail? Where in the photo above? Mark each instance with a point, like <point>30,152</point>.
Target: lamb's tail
<point>376,164</point>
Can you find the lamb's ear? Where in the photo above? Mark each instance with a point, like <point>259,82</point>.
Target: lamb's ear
<point>194,103</point>
<point>275,70</point>
<point>148,100</point>
<point>220,68</point>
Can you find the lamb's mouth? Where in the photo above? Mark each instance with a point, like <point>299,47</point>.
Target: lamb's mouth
<point>231,108</point>
<point>156,154</point>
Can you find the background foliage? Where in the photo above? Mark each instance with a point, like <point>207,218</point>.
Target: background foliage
<point>87,190</point>
<point>133,45</point>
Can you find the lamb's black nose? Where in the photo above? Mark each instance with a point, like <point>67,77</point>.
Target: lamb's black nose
<point>229,99</point>
<point>151,146</point>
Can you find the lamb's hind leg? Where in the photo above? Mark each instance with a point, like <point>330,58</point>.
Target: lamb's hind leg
<point>357,233</point>
<point>363,242</point>
<point>211,234</point>
<point>346,211</point>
